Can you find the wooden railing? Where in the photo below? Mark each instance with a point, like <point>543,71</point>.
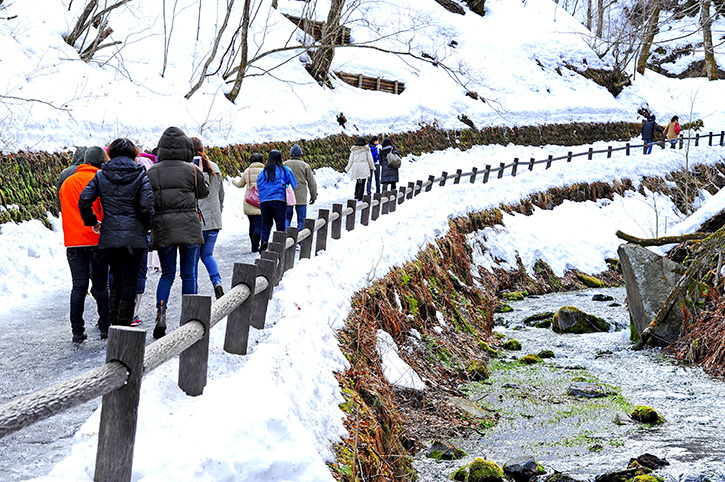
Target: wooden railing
<point>244,305</point>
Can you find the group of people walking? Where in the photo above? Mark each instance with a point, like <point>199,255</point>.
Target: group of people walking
<point>650,128</point>
<point>121,206</point>
<point>115,209</point>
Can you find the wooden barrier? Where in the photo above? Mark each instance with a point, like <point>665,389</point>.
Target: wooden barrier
<point>371,83</point>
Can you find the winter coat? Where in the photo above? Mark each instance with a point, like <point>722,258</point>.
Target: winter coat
<point>212,205</point>
<point>274,190</point>
<point>648,129</point>
<point>388,174</point>
<point>177,185</point>
<point>305,180</point>
<point>360,162</point>
<point>249,180</point>
<point>672,130</point>
<point>75,231</point>
<point>375,152</point>
<point>128,204</point>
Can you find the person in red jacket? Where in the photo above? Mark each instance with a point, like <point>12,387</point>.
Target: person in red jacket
<point>81,242</point>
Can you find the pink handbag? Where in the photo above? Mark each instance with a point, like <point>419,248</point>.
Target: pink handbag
<point>252,196</point>
<point>289,191</point>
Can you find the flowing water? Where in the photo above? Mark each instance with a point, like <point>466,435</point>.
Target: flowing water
<point>578,436</point>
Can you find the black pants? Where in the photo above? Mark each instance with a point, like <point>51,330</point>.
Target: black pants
<point>255,230</point>
<point>87,263</point>
<point>124,264</point>
<point>360,189</point>
<point>272,212</point>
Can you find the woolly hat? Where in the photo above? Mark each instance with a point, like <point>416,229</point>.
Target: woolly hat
<point>78,155</point>
<point>95,156</point>
<point>296,151</point>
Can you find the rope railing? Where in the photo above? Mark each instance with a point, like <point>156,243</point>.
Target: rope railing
<point>244,306</point>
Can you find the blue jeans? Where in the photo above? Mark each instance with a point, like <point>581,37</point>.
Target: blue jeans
<point>301,215</point>
<point>86,263</point>
<point>376,173</point>
<point>272,211</point>
<point>187,262</point>
<point>648,148</point>
<point>206,254</point>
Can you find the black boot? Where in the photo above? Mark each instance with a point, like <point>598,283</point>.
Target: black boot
<point>125,312</point>
<point>160,328</point>
<point>218,291</point>
<point>114,297</point>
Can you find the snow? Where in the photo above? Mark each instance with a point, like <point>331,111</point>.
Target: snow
<point>274,413</point>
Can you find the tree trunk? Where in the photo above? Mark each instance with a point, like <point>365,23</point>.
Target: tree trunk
<point>81,25</point>
<point>649,35</point>
<point>319,68</point>
<point>589,15</point>
<point>244,54</point>
<point>600,18</point>
<point>706,23</point>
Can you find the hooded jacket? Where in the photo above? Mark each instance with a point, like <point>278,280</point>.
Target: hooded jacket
<point>212,205</point>
<point>70,170</point>
<point>249,180</point>
<point>649,127</point>
<point>177,185</point>
<point>360,162</point>
<point>75,231</point>
<point>127,200</point>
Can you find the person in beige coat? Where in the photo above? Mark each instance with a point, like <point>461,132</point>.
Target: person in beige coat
<point>672,131</point>
<point>359,166</point>
<point>248,180</point>
<point>305,182</point>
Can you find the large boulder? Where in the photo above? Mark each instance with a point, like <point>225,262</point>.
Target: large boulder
<point>649,279</point>
<point>570,319</point>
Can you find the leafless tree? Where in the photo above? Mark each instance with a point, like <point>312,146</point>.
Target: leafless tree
<point>652,10</point>
<point>96,16</point>
<point>322,57</point>
<point>706,23</point>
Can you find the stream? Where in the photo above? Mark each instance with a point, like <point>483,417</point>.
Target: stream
<point>578,436</point>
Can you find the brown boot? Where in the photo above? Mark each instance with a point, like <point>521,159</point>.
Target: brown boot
<point>218,291</point>
<point>160,328</point>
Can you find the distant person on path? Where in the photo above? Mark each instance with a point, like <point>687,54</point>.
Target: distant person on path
<point>271,183</point>
<point>672,131</point>
<point>178,185</point>
<point>128,211</point>
<point>360,166</point>
<point>84,259</point>
<point>211,213</point>
<point>305,181</point>
<point>78,159</point>
<point>375,152</point>
<point>648,133</point>
<point>388,175</point>
<point>248,180</point>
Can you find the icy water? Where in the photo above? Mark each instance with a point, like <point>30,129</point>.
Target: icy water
<point>579,436</point>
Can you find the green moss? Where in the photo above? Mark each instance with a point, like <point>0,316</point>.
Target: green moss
<point>477,370</point>
<point>530,359</point>
<point>504,308</point>
<point>546,354</point>
<point>512,295</point>
<point>547,315</point>
<point>543,324</point>
<point>585,323</point>
<point>590,281</point>
<point>481,470</point>
<point>645,414</point>
<point>633,335</point>
<point>513,345</point>
<point>486,348</point>
<point>461,474</point>
<point>648,478</point>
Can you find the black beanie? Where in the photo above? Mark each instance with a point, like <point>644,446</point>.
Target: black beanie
<point>95,156</point>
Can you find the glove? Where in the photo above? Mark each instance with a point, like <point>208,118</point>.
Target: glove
<point>312,201</point>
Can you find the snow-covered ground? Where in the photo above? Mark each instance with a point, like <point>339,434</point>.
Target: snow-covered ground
<point>273,414</point>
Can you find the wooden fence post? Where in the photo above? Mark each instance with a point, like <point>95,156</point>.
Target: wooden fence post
<point>697,139</point>
<point>321,238</point>
<point>548,161</point>
<point>444,178</point>
<point>418,187</point>
<point>365,213</point>
<point>289,255</point>
<point>591,153</point>
<point>265,268</point>
<point>473,174</point>
<point>627,150</point>
<point>119,408</point>
<point>431,178</point>
<point>515,167</point>
<point>568,156</point>
<point>411,188</point>
<point>531,164</point>
<point>236,338</point>
<point>486,173</point>
<point>709,141</point>
<point>350,220</point>
<point>193,361</point>
<point>609,152</point>
<point>682,142</point>
<point>501,167</point>
<point>722,138</point>
<point>306,244</point>
<point>336,232</point>
<point>393,200</point>
<point>401,198</point>
<point>458,176</point>
<point>377,201</point>
<point>385,203</point>
<point>281,238</point>
<point>278,249</point>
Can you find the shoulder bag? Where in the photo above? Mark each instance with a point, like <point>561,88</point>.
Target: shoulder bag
<point>289,191</point>
<point>394,160</point>
<point>252,195</point>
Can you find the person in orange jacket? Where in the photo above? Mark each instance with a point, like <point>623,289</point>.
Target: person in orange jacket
<point>81,241</point>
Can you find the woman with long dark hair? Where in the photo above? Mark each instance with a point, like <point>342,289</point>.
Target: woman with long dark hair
<point>128,213</point>
<point>211,213</point>
<point>271,184</point>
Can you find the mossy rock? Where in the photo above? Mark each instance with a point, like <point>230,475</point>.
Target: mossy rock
<point>546,315</point>
<point>645,414</point>
<point>477,370</point>
<point>546,324</point>
<point>531,359</point>
<point>512,295</point>
<point>546,354</point>
<point>499,335</point>
<point>461,474</point>
<point>486,348</point>
<point>570,319</point>
<point>648,478</point>
<point>481,470</point>
<point>441,450</point>
<point>590,281</point>
<point>504,308</point>
<point>513,345</point>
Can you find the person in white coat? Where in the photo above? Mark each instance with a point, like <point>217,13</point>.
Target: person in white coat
<point>248,180</point>
<point>359,166</point>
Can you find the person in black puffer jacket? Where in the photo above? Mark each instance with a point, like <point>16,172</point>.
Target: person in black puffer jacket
<point>178,184</point>
<point>128,213</point>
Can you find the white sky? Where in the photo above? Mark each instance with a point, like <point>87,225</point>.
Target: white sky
<point>283,394</point>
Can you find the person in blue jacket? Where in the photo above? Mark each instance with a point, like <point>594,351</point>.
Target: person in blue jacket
<point>271,185</point>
